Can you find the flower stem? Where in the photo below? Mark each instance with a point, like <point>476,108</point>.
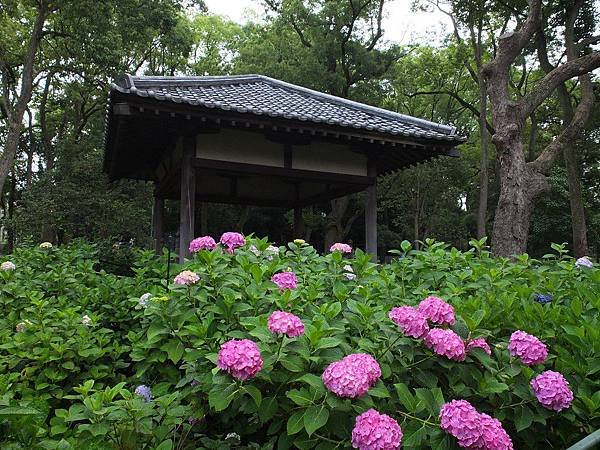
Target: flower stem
<point>390,346</point>
<point>426,422</point>
<point>524,402</point>
<point>280,347</point>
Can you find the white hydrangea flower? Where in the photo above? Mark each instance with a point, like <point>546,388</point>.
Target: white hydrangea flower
<point>46,245</point>
<point>7,265</point>
<point>144,299</point>
<point>271,252</point>
<point>254,250</point>
<point>86,320</point>
<point>22,326</point>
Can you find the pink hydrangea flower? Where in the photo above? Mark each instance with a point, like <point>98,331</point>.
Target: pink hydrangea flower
<point>202,243</point>
<point>437,310</point>
<point>285,280</point>
<point>232,240</point>
<point>460,419</point>
<point>187,278</point>
<point>240,358</point>
<point>479,343</point>
<point>493,436</point>
<point>446,343</point>
<point>375,431</point>
<point>351,376</point>
<point>552,390</point>
<point>410,320</point>
<point>281,322</point>
<point>529,349</point>
<point>339,247</point>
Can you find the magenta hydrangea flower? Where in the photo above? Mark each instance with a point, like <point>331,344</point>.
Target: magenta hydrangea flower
<point>529,349</point>
<point>241,358</point>
<point>437,311</point>
<point>202,243</point>
<point>410,320</point>
<point>352,376</point>
<point>285,280</point>
<point>187,278</point>
<point>493,436</point>
<point>375,431</point>
<point>339,247</point>
<point>446,343</point>
<point>479,343</point>
<point>460,419</point>
<point>281,322</point>
<point>552,390</point>
<point>232,240</point>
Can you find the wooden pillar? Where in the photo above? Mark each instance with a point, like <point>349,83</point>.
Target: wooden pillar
<point>188,197</point>
<point>158,211</point>
<point>371,213</point>
<point>298,223</point>
<point>203,218</point>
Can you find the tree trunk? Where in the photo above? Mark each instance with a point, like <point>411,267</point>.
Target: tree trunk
<point>483,165</point>
<point>520,187</point>
<point>578,224</point>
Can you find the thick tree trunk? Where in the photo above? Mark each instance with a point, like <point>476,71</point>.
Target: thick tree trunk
<point>10,150</point>
<point>578,224</point>
<point>520,187</point>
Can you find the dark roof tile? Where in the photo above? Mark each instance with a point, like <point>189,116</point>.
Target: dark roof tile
<point>260,95</point>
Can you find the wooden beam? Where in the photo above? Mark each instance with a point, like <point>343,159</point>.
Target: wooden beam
<point>158,223</point>
<point>188,197</point>
<point>281,172</point>
<point>371,214</point>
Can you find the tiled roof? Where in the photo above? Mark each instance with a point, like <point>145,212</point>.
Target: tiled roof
<point>264,96</point>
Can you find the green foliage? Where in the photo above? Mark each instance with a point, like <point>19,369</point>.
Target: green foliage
<point>65,384</point>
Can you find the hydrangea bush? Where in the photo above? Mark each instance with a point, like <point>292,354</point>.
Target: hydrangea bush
<point>438,349</point>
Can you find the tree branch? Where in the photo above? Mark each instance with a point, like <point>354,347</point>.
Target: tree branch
<point>564,72</point>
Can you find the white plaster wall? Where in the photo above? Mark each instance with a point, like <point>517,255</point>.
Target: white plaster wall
<point>325,157</point>
<point>239,146</point>
<point>253,148</point>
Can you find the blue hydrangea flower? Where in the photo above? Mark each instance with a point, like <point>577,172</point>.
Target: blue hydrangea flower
<point>144,391</point>
<point>543,298</point>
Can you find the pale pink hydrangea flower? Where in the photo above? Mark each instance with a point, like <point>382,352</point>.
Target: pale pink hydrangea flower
<point>202,243</point>
<point>339,247</point>
<point>552,390</point>
<point>437,311</point>
<point>446,343</point>
<point>281,322</point>
<point>410,320</point>
<point>240,358</point>
<point>232,240</point>
<point>7,265</point>
<point>351,376</point>
<point>285,280</point>
<point>529,349</point>
<point>479,343</point>
<point>22,326</point>
<point>493,436</point>
<point>375,431</point>
<point>460,419</point>
<point>187,278</point>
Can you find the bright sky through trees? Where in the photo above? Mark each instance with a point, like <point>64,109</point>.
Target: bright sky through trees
<point>401,25</point>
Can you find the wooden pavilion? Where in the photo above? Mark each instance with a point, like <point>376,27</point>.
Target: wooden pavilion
<point>255,140</point>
